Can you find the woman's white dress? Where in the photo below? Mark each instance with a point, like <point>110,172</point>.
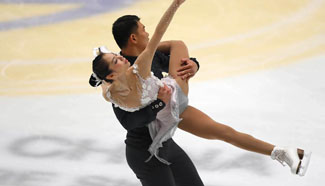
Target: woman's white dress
<point>163,128</point>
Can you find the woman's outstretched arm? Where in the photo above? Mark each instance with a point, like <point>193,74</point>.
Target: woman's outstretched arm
<point>144,60</point>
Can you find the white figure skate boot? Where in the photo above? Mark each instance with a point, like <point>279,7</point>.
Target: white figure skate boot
<point>297,159</point>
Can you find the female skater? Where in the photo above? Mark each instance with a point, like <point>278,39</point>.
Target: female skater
<point>132,88</point>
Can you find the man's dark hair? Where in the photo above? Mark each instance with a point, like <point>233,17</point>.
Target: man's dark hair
<point>123,27</point>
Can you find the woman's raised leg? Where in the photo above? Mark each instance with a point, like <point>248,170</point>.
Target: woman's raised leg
<point>178,51</point>
<point>198,123</point>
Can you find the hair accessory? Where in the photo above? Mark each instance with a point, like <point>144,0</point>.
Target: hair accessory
<point>94,80</point>
<point>97,79</point>
<point>99,50</point>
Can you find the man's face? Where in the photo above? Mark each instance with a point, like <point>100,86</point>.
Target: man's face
<point>142,36</point>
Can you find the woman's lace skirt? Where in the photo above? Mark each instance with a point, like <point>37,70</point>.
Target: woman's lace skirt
<point>163,128</point>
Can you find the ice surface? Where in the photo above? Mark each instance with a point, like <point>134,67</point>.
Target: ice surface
<point>75,140</point>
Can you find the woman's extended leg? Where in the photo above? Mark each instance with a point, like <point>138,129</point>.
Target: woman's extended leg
<point>198,123</point>
<point>178,51</point>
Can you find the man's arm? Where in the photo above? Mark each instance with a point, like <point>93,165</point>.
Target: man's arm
<point>140,118</point>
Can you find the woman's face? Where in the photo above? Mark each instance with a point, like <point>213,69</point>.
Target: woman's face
<point>117,63</point>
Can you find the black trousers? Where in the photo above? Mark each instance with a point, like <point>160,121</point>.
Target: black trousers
<point>181,171</point>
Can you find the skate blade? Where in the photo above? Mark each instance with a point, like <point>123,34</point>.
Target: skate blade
<point>304,163</point>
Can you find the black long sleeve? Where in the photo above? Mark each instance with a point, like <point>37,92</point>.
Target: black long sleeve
<point>140,118</point>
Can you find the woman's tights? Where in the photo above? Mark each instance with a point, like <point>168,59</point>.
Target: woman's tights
<point>198,123</point>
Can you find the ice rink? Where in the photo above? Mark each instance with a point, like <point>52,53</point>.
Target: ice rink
<point>262,71</point>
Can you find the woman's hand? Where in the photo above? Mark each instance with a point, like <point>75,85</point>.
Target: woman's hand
<point>164,94</point>
<point>179,2</point>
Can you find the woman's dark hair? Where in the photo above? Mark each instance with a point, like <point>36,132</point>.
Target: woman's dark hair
<point>101,70</point>
<point>123,27</point>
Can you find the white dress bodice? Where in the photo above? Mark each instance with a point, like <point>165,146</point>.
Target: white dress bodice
<point>149,88</point>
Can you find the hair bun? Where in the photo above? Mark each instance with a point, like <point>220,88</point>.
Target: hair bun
<point>94,81</point>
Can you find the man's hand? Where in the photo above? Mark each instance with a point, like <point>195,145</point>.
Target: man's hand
<point>164,94</point>
<point>188,69</point>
